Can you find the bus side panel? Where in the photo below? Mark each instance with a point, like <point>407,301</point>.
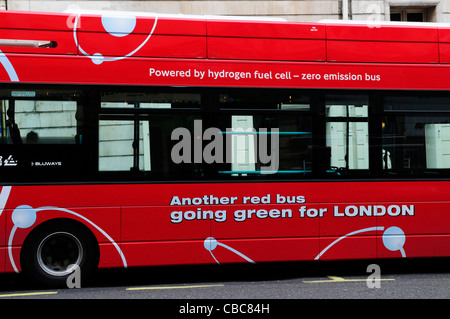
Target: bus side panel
<point>444,44</point>
<point>343,218</point>
<point>418,218</point>
<point>35,20</point>
<point>444,52</point>
<point>104,222</point>
<point>351,247</point>
<point>149,37</point>
<point>167,46</point>
<point>15,253</point>
<point>265,233</point>
<point>62,41</point>
<point>426,233</point>
<point>260,29</point>
<point>2,259</point>
<point>427,246</point>
<point>266,49</point>
<point>263,250</point>
<point>359,43</point>
<point>2,241</point>
<point>156,223</point>
<point>413,246</point>
<point>382,52</point>
<point>69,69</point>
<point>143,25</point>
<point>343,237</point>
<point>110,256</point>
<point>265,221</point>
<point>158,231</point>
<point>165,253</point>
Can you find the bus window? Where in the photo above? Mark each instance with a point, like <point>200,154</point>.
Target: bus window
<point>347,133</point>
<point>40,121</point>
<point>42,135</point>
<point>143,146</point>
<point>267,144</point>
<point>116,145</point>
<point>416,144</point>
<point>416,135</point>
<point>135,134</point>
<point>268,133</point>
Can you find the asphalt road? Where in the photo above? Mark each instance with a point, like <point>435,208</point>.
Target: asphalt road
<point>262,284</point>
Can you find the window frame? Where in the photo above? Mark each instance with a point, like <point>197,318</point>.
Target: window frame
<point>210,112</point>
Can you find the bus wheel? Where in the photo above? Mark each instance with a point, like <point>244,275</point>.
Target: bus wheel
<point>54,250</point>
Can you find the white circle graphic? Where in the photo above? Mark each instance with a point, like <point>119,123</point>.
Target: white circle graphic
<point>394,238</point>
<point>23,216</point>
<point>119,26</point>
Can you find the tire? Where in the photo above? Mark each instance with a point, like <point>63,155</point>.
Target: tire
<point>51,250</point>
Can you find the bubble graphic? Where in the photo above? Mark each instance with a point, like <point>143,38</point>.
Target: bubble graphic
<point>210,243</point>
<point>97,58</point>
<point>119,26</point>
<point>23,216</point>
<point>394,238</point>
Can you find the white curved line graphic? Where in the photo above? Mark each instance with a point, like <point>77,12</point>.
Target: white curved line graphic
<point>4,195</point>
<point>232,250</point>
<point>8,67</point>
<point>11,259</point>
<point>347,235</point>
<point>236,252</point>
<point>116,58</point>
<point>212,255</point>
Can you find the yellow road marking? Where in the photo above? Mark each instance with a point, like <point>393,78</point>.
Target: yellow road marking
<point>25,294</point>
<point>174,287</point>
<point>340,279</point>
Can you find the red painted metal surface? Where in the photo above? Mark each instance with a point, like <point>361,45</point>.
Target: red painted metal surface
<point>204,223</point>
<point>222,53</point>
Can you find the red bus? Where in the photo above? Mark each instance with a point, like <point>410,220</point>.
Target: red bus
<point>139,139</point>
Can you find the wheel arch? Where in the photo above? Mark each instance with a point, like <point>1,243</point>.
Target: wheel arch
<point>55,225</point>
